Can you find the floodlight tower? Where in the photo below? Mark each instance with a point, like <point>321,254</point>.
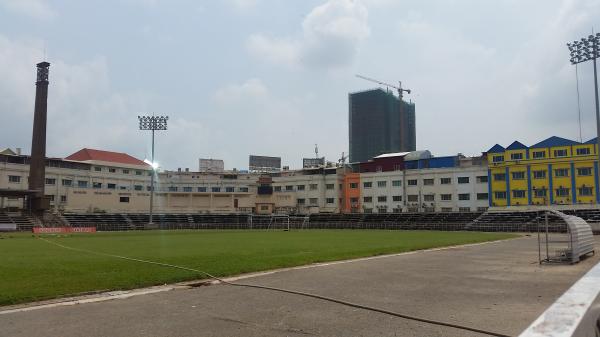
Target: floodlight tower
<point>584,50</point>
<point>153,123</point>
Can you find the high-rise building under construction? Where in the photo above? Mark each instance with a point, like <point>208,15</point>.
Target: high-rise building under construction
<point>379,123</point>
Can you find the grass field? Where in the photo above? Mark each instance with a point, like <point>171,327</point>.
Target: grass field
<point>31,269</point>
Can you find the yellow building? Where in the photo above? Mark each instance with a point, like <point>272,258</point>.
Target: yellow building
<point>555,171</point>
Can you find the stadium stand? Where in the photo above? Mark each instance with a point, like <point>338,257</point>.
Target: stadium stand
<point>499,221</point>
<point>23,222</point>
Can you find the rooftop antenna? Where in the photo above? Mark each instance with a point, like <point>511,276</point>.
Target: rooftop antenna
<point>316,151</point>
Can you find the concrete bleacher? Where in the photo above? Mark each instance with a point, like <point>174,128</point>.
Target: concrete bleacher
<point>22,221</point>
<point>491,221</point>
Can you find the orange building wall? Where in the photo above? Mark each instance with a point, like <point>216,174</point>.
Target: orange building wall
<point>349,179</point>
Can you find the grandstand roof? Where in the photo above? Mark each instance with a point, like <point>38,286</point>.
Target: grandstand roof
<point>105,156</point>
<point>554,141</point>
<point>496,149</point>
<point>592,141</point>
<point>516,145</point>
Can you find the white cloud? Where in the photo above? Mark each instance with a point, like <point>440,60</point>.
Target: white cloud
<point>38,9</point>
<point>252,89</point>
<point>330,38</point>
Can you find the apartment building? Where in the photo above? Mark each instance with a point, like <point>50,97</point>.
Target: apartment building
<point>555,171</point>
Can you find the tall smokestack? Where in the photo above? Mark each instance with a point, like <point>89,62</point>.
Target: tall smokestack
<point>37,166</point>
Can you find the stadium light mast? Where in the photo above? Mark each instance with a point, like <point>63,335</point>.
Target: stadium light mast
<point>584,50</point>
<point>152,123</point>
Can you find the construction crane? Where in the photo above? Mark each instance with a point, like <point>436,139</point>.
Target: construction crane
<point>399,87</point>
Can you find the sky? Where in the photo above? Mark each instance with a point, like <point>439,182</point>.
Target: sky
<point>272,77</point>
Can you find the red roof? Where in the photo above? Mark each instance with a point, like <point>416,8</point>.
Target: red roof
<point>107,156</point>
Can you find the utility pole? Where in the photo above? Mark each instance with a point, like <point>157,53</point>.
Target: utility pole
<point>152,123</point>
<point>584,50</point>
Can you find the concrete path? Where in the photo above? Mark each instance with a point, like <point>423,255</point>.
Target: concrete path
<point>496,286</point>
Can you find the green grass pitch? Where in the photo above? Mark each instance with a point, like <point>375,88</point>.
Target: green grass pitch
<point>31,269</point>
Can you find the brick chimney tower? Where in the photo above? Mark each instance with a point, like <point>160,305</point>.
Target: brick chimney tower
<point>37,167</point>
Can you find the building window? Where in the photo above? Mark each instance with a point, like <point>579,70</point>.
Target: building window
<point>111,170</point>
<point>499,176</point>
<point>313,187</point>
<point>561,172</point>
<point>289,187</point>
<point>353,185</point>
<point>187,189</point>
<point>413,197</point>
<point>464,209</point>
<point>50,197</point>
<point>138,173</point>
<point>201,189</point>
<point>14,179</point>
<point>499,195</point>
<point>539,174</point>
<point>446,209</point>
<point>464,196</point>
<point>301,201</point>
<point>585,191</point>
<point>264,208</point>
<point>427,182</point>
<point>50,181</point>
<point>560,153</point>
<point>97,168</point>
<point>539,154</point>
<point>243,189</point>
<point>368,210</point>
<point>277,188</point>
<point>111,186</point>
<point>231,189</point>
<point>67,182</point>
<point>382,183</point>
<point>446,197</point>
<point>539,193</point>
<point>397,198</point>
<point>125,171</point>
<point>148,188</point>
<point>518,193</point>
<point>562,192</point>
<point>519,175</point>
<point>396,183</point>
<point>516,156</point>
<point>412,182</point>
<point>445,181</point>
<point>122,187</point>
<point>463,180</point>
<point>584,171</point>
<point>82,184</point>
<point>124,199</point>
<point>137,187</point>
<point>583,151</point>
<point>498,158</point>
<point>63,198</point>
<point>313,201</point>
<point>97,185</point>
<point>429,197</point>
<point>330,200</point>
<point>218,189</point>
<point>367,184</point>
<point>382,198</point>
<point>482,179</point>
<point>300,187</point>
<point>382,209</point>
<point>172,188</point>
<point>482,196</point>
<point>327,186</point>
<point>367,199</point>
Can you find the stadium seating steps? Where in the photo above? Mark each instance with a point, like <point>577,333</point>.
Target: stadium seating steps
<point>504,221</point>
